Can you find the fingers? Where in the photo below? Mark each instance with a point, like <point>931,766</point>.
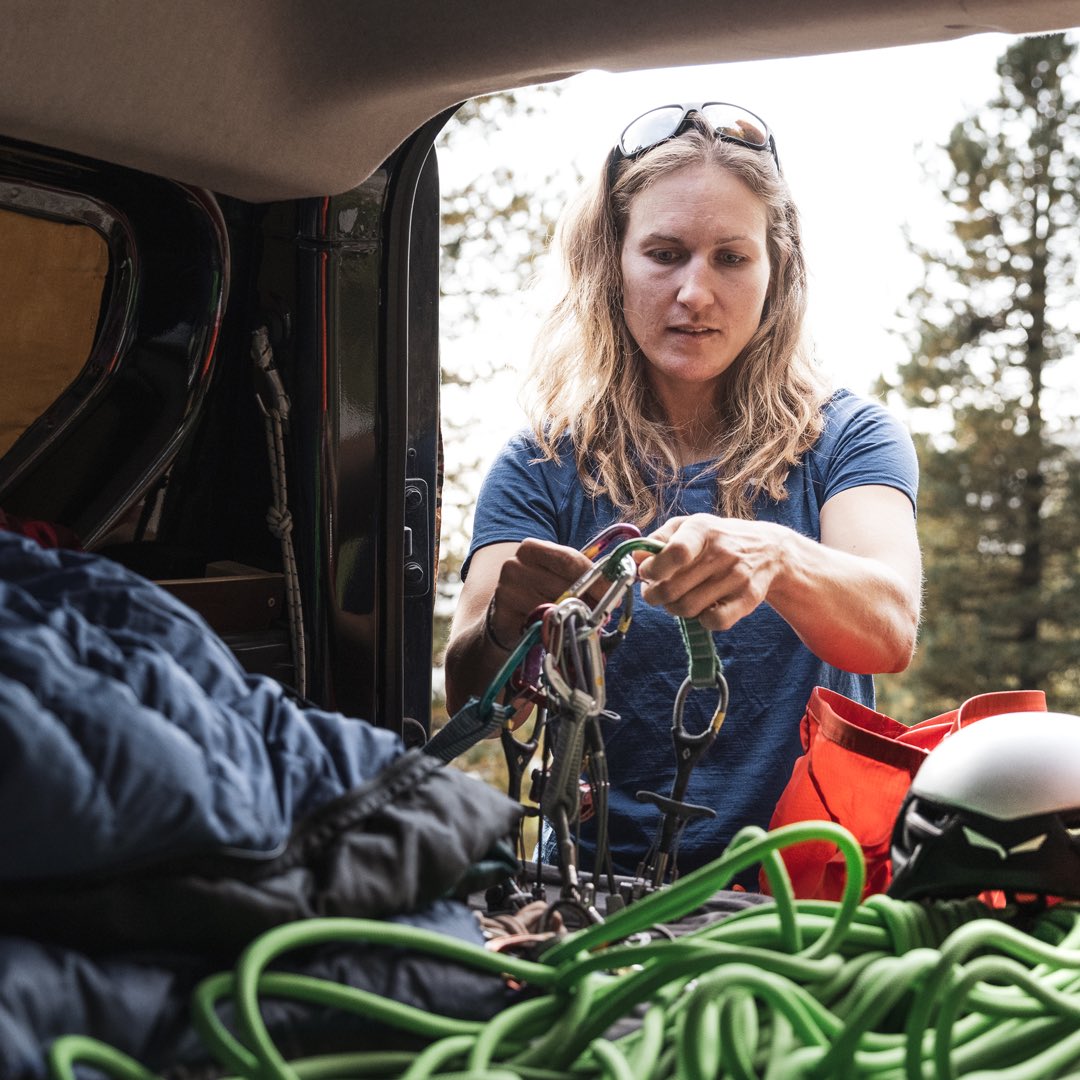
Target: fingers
<point>545,570</point>
<point>716,570</point>
<point>721,614</point>
<point>661,535</point>
<point>689,559</point>
<point>538,573</point>
<point>672,525</point>
<point>552,562</point>
<point>715,600</point>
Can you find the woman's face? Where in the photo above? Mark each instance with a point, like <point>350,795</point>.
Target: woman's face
<point>695,271</point>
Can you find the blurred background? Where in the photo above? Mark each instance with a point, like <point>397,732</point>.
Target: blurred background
<point>937,186</point>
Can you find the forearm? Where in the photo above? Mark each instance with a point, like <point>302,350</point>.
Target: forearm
<point>852,596</point>
<point>854,612</point>
<point>473,660</point>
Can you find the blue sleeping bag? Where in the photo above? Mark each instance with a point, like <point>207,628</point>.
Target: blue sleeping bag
<point>159,808</point>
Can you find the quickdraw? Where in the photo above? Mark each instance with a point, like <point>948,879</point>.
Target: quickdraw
<point>559,665</point>
<point>573,677</point>
<point>676,813</point>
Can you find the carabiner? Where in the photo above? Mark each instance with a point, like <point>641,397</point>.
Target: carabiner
<point>609,567</point>
<point>690,747</point>
<point>554,642</point>
<point>675,812</point>
<point>604,539</point>
<point>584,583</point>
<point>678,729</point>
<point>615,594</point>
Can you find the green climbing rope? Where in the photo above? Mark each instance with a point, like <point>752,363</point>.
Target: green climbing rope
<point>882,989</point>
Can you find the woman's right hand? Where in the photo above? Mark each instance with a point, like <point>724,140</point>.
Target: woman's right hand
<point>506,584</point>
<point>538,572</point>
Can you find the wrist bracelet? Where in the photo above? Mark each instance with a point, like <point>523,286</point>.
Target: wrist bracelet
<point>489,629</point>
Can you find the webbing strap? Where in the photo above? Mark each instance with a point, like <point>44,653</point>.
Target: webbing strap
<point>466,728</point>
<point>704,663</point>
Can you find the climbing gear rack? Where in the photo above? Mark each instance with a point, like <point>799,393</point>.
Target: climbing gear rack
<point>559,665</point>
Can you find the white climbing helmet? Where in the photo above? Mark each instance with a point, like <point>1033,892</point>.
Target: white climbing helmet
<point>994,806</point>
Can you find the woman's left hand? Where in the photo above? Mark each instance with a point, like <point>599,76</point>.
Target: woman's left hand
<point>714,569</point>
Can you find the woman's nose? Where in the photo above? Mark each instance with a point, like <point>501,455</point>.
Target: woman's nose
<point>695,289</point>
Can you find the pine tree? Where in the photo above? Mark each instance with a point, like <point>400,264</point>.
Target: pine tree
<point>994,336</point>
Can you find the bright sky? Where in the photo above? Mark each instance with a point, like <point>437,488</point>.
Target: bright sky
<point>848,130</point>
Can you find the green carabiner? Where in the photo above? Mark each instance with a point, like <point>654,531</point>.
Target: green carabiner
<point>705,667</point>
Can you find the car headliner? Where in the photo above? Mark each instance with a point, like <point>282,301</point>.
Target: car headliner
<point>271,99</point>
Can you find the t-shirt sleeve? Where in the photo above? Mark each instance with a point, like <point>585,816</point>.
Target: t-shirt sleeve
<point>869,445</point>
<point>519,499</point>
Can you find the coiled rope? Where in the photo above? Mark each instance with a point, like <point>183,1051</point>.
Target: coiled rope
<point>885,989</point>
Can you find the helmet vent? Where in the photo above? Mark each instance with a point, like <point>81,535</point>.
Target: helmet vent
<point>977,840</point>
<point>1025,846</point>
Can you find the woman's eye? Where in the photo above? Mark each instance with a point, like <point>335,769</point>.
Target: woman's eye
<point>731,258</point>
<point>664,256</point>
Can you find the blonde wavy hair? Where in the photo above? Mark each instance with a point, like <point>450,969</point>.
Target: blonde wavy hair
<point>588,375</point>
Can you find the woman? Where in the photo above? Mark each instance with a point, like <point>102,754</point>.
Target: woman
<point>674,389</point>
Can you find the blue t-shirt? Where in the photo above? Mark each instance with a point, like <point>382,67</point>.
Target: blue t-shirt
<point>770,673</point>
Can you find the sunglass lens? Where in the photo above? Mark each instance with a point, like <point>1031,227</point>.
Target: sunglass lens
<point>648,130</point>
<point>734,123</point>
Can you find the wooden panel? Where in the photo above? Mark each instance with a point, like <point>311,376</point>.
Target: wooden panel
<point>232,605</point>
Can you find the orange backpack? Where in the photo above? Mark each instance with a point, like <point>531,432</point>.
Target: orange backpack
<point>856,768</point>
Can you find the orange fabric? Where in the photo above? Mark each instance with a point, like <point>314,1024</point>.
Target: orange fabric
<point>855,770</point>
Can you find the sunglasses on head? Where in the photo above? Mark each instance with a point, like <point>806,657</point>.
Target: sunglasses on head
<point>730,123</point>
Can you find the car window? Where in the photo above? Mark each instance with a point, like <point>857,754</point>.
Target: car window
<point>52,278</point>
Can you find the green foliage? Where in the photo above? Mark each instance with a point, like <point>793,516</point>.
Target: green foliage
<point>495,230</point>
<point>496,224</point>
<point>992,327</point>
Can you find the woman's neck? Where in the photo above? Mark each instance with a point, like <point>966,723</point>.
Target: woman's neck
<point>693,422</point>
<point>690,452</point>
<point>692,413</point>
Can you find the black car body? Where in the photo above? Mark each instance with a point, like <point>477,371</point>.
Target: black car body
<point>269,166</point>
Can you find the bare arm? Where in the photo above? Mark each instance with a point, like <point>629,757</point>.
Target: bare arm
<point>853,598</point>
<point>520,577</point>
